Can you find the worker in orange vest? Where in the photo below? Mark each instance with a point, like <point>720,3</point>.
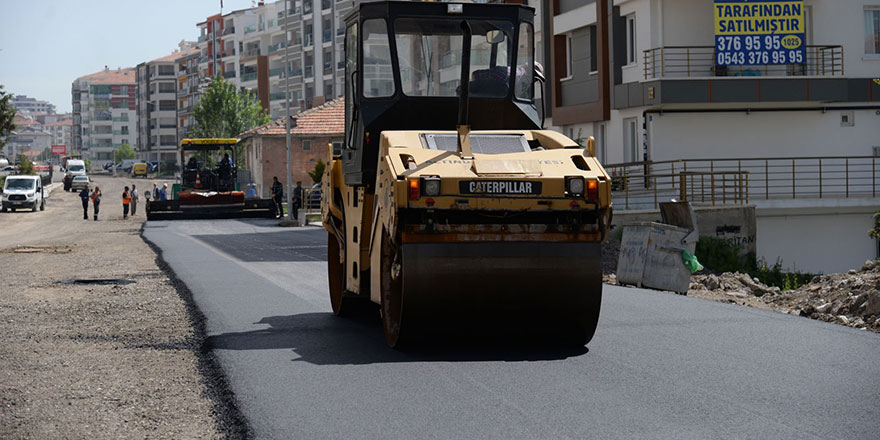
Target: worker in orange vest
<point>96,200</point>
<point>126,200</point>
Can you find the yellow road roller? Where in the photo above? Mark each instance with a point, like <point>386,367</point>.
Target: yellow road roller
<point>447,202</point>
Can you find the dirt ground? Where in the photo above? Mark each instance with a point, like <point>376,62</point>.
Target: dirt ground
<point>120,358</point>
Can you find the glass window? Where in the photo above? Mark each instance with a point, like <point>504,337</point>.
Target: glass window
<point>872,30</point>
<point>631,39</point>
<point>378,77</point>
<point>307,145</point>
<point>430,53</point>
<point>351,40</point>
<point>525,65</point>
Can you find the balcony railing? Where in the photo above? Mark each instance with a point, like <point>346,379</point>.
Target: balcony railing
<point>229,30</point>
<point>277,46</point>
<point>699,62</point>
<point>309,70</point>
<point>328,36</point>
<point>229,74</point>
<point>245,77</point>
<point>278,71</point>
<point>640,185</point>
<point>277,96</point>
<point>252,52</point>
<point>249,29</point>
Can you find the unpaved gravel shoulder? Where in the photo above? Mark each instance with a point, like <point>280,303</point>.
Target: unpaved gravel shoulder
<point>101,361</point>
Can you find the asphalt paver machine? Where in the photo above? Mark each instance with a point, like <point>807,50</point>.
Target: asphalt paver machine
<point>208,186</point>
<point>448,204</point>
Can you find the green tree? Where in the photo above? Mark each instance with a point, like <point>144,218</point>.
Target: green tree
<point>123,152</point>
<point>875,231</point>
<point>318,173</point>
<point>224,111</point>
<point>27,167</point>
<point>7,116</point>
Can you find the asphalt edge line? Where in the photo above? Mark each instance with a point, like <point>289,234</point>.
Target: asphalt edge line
<point>227,415</point>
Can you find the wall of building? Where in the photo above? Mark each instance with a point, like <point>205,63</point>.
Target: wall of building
<point>270,153</point>
<point>824,242</point>
<point>733,135</point>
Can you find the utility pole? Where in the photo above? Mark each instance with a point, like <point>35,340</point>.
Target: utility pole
<point>287,106</point>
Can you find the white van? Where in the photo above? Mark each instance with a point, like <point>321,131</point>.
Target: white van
<point>23,192</point>
<point>76,167</point>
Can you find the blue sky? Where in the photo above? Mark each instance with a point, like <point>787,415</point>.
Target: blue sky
<point>46,44</point>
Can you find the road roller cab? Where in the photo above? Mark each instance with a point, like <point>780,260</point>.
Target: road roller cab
<point>447,199</point>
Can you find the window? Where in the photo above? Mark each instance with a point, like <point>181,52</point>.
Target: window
<point>307,145</point>
<point>525,66</point>
<point>378,78</point>
<point>601,142</point>
<point>872,30</point>
<point>123,90</point>
<point>568,70</point>
<point>631,39</point>
<point>594,54</point>
<point>428,49</point>
<point>631,140</point>
<point>124,130</point>
<point>351,39</point>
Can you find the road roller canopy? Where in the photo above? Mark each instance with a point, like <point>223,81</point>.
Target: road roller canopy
<point>208,144</point>
<point>422,66</point>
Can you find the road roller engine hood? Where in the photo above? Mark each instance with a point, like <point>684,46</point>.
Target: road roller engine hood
<point>513,170</point>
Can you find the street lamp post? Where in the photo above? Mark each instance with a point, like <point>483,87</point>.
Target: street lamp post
<point>287,106</point>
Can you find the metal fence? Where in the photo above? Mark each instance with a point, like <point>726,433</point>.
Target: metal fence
<point>640,185</point>
<point>699,61</point>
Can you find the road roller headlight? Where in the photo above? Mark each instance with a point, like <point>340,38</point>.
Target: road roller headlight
<point>431,185</point>
<point>574,186</point>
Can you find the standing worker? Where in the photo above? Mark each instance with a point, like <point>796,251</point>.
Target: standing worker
<point>163,193</point>
<point>134,199</point>
<point>277,194</point>
<point>96,201</point>
<point>84,195</point>
<point>297,199</point>
<point>155,192</point>
<point>126,200</point>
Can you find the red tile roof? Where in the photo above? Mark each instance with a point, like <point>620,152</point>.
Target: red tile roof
<point>325,120</point>
<point>119,76</point>
<point>177,54</point>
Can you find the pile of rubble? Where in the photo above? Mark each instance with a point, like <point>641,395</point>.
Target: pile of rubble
<point>851,299</point>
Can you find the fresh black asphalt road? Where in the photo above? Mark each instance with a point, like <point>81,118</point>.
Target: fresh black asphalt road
<point>660,366</point>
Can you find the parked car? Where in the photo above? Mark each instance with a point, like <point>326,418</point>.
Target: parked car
<point>313,197</point>
<point>139,169</point>
<point>23,192</point>
<point>79,182</point>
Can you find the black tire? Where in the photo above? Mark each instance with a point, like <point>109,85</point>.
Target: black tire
<point>3,208</point>
<point>34,209</point>
<point>12,209</point>
<point>336,276</point>
<point>391,292</point>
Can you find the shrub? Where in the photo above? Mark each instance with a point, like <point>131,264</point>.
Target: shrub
<point>719,256</point>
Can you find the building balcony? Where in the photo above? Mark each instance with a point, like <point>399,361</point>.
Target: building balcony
<point>245,77</point>
<point>250,29</point>
<point>278,46</point>
<point>252,52</point>
<point>672,62</point>
<point>279,72</point>
<point>309,71</point>
<point>277,96</point>
<point>229,30</point>
<point>229,74</point>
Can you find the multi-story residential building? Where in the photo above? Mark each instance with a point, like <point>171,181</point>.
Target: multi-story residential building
<point>644,78</point>
<point>157,106</point>
<point>103,114</point>
<point>61,130</point>
<point>23,104</point>
<point>188,83</point>
<point>249,47</point>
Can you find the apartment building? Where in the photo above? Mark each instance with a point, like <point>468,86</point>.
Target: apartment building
<point>188,89</point>
<point>652,81</point>
<point>157,105</point>
<point>61,130</point>
<point>23,103</point>
<point>249,48</point>
<point>104,113</point>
